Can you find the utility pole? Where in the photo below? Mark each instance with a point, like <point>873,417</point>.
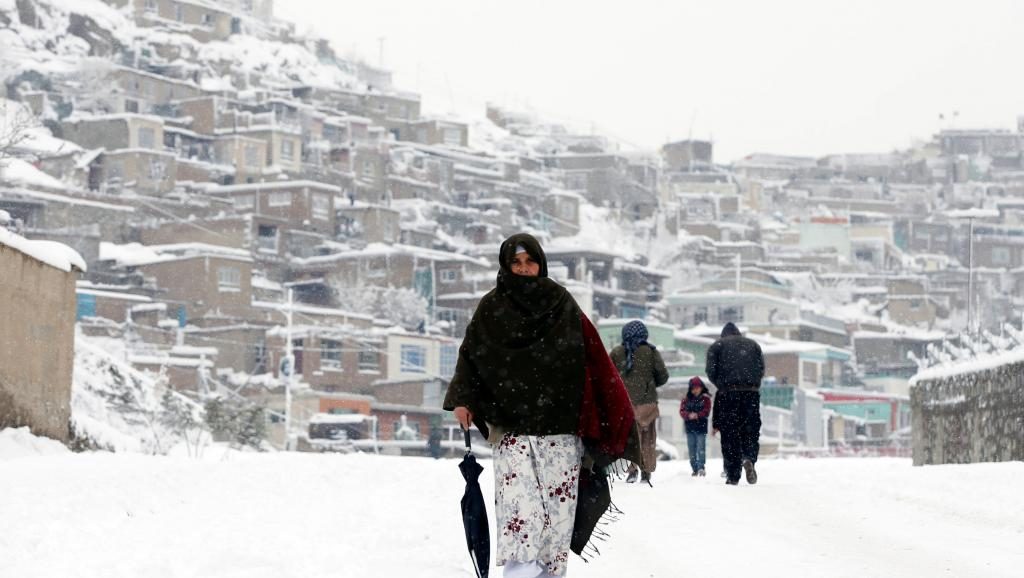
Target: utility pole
<point>290,381</point>
<point>970,277</point>
<point>739,270</point>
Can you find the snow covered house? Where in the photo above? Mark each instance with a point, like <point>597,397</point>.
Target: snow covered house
<point>622,288</point>
<point>37,333</point>
<point>203,20</point>
<point>368,222</point>
<point>305,205</point>
<point>195,278</point>
<point>116,131</point>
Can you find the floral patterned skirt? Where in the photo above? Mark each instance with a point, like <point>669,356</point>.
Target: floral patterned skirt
<point>535,482</point>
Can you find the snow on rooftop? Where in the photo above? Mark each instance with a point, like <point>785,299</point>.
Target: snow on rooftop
<point>80,290</point>
<point>137,254</point>
<point>52,253</point>
<point>338,418</point>
<point>19,172</point>
<point>384,250</point>
<point>33,138</point>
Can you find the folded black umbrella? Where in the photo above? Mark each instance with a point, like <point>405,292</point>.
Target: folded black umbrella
<point>474,514</point>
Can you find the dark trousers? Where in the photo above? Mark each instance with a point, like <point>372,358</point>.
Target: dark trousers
<point>738,419</point>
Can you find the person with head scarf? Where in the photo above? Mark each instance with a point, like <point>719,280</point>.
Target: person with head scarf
<point>695,408</point>
<point>643,371</point>
<point>533,375</point>
<point>735,364</point>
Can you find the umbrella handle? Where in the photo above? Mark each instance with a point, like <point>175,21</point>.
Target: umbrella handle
<point>469,446</point>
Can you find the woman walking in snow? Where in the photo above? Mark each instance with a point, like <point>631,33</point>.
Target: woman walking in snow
<point>642,369</point>
<point>695,409</point>
<point>533,373</point>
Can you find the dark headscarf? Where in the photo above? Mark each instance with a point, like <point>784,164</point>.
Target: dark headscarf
<point>521,364</point>
<point>697,381</point>
<point>730,330</point>
<point>634,334</point>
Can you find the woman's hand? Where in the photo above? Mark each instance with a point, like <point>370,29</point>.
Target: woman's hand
<point>464,416</point>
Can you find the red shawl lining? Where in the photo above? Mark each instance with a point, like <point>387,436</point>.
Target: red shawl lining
<point>606,413</point>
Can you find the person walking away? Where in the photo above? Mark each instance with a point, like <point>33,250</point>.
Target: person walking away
<point>695,409</point>
<point>735,365</point>
<point>643,371</point>
<point>533,374</point>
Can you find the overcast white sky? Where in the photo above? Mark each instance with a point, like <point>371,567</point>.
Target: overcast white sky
<point>791,76</point>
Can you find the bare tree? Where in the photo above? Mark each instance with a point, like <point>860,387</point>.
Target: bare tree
<point>15,122</point>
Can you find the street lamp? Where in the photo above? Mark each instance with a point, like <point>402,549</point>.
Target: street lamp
<point>970,215</point>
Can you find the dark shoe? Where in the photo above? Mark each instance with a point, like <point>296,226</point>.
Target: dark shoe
<point>646,477</point>
<point>631,478</point>
<point>694,474</point>
<point>748,468</point>
<point>732,482</point>
<point>701,473</point>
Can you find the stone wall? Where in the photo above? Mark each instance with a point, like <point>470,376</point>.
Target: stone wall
<point>37,332</point>
<point>970,417</point>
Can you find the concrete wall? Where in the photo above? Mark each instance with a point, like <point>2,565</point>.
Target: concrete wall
<point>974,417</point>
<point>37,335</point>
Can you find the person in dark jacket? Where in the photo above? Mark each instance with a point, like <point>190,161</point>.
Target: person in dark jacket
<point>695,409</point>
<point>643,371</point>
<point>735,365</point>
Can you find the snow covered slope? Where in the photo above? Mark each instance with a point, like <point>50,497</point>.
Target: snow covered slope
<point>285,515</point>
<point>114,404</point>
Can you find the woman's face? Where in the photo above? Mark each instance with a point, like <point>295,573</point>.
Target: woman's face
<point>524,265</point>
<point>695,389</point>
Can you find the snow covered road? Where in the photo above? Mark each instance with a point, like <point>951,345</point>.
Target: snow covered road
<point>266,515</point>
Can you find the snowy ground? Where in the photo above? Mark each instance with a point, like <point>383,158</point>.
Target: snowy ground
<point>261,515</point>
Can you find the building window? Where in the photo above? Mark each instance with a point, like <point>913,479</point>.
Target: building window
<point>321,207</point>
<point>157,170</point>
<point>229,279</point>
<point>150,6</point>
<point>147,138</point>
<point>280,199</point>
<point>266,239</point>
<point>287,149</point>
<point>576,181</point>
<point>252,156</point>
<point>368,168</point>
<point>700,315</point>
<point>131,105</point>
<point>243,202</point>
<point>449,275</point>
<point>414,359</point>
<point>916,304</point>
<point>1000,255</point>
<point>207,19</point>
<point>452,137</point>
<point>449,355</point>
<point>179,13</point>
<point>369,360</point>
<point>567,210</point>
<point>810,372</point>
<point>733,314</point>
<point>330,354</point>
